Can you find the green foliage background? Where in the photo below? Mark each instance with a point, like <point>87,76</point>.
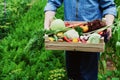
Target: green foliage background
<point>22,52</point>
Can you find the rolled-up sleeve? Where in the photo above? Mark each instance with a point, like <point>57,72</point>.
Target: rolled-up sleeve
<point>108,7</point>
<point>52,5</point>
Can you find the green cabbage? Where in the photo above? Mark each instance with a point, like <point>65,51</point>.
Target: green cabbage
<point>57,25</point>
<point>94,38</point>
<point>71,34</point>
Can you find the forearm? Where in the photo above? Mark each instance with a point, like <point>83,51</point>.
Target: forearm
<point>48,18</point>
<point>109,19</point>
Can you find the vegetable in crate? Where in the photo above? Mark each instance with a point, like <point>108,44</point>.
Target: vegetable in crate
<point>51,39</point>
<point>85,28</point>
<point>57,25</point>
<point>95,24</point>
<point>79,30</point>
<point>94,38</point>
<point>60,34</point>
<point>71,34</point>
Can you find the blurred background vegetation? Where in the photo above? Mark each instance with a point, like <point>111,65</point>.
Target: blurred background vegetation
<point>22,52</point>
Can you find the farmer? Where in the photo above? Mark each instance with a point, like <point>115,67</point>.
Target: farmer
<point>82,65</point>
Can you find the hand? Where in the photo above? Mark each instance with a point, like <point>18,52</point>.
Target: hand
<point>48,19</point>
<point>109,32</point>
<point>109,21</point>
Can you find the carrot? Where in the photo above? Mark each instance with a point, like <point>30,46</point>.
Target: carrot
<point>67,24</point>
<point>66,39</point>
<point>75,25</point>
<point>101,32</point>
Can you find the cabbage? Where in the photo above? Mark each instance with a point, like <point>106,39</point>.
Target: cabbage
<point>94,38</point>
<point>57,25</point>
<point>71,34</point>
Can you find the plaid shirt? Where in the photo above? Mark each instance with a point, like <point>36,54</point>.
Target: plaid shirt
<point>83,10</point>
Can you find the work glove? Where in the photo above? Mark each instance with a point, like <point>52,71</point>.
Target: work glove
<point>109,21</point>
<point>49,15</point>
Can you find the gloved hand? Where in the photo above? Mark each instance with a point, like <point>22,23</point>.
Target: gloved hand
<point>109,22</point>
<point>48,19</point>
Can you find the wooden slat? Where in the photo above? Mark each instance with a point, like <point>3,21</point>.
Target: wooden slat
<point>75,46</point>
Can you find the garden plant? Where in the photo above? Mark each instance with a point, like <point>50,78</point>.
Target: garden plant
<point>22,52</point>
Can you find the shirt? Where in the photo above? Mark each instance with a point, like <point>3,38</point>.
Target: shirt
<point>83,10</point>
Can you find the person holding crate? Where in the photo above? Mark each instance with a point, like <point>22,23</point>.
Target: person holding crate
<point>82,65</point>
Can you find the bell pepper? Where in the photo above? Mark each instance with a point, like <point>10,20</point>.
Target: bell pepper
<point>75,40</point>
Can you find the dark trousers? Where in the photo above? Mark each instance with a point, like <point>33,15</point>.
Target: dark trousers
<point>82,65</point>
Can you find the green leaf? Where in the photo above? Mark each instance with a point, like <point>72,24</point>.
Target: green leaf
<point>118,48</point>
<point>115,78</point>
<point>104,65</point>
<point>79,30</point>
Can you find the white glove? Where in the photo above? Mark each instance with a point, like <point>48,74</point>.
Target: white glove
<point>48,19</point>
<point>109,22</point>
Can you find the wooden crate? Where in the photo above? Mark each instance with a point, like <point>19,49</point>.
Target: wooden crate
<point>87,47</point>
